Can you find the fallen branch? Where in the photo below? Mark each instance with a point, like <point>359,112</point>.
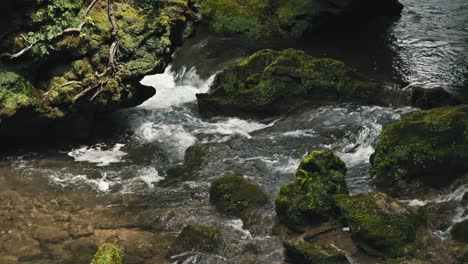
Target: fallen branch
<point>70,83</point>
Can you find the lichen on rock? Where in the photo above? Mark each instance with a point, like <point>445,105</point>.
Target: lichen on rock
<point>272,82</point>
<point>429,148</point>
<point>309,199</point>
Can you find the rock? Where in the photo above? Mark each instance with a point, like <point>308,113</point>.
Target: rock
<point>271,82</point>
<point>432,98</point>
<point>50,234</point>
<point>307,253</point>
<point>289,19</point>
<point>198,238</point>
<point>194,159</point>
<point>380,225</point>
<point>460,231</point>
<point>234,194</point>
<point>428,148</point>
<point>108,253</point>
<point>24,249</point>
<point>403,261</point>
<point>67,77</point>
<point>309,198</point>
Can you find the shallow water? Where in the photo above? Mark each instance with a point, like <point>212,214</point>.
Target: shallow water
<point>425,47</point>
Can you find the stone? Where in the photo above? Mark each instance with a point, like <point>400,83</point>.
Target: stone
<point>309,199</point>
<point>274,82</point>
<point>379,224</point>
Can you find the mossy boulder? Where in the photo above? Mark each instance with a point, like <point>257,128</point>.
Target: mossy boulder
<point>309,199</point>
<point>68,59</point>
<point>271,82</point>
<point>460,231</point>
<point>287,19</point>
<point>428,98</point>
<point>379,224</point>
<point>308,253</point>
<point>108,253</point>
<point>428,148</point>
<point>235,194</point>
<point>197,238</point>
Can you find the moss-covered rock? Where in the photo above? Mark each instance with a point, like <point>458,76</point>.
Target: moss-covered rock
<point>198,238</point>
<point>234,194</point>
<point>460,231</point>
<point>108,253</point>
<point>309,199</point>
<point>79,59</point>
<point>292,18</point>
<point>380,225</point>
<point>426,147</point>
<point>271,82</point>
<point>308,253</point>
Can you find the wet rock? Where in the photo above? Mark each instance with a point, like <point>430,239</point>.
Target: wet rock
<point>305,253</point>
<point>235,194</point>
<point>380,225</point>
<point>82,249</point>
<point>271,82</point>
<point>438,216</point>
<point>460,231</point>
<point>197,238</point>
<point>193,160</point>
<point>289,19</point>
<point>432,98</point>
<point>50,234</point>
<point>403,261</point>
<point>426,149</point>
<point>309,198</point>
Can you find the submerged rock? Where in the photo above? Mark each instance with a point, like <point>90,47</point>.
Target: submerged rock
<point>380,225</point>
<point>81,58</point>
<point>198,238</point>
<point>234,194</point>
<point>428,148</point>
<point>460,231</point>
<point>272,82</point>
<point>309,199</point>
<point>432,98</point>
<point>305,253</point>
<point>292,18</point>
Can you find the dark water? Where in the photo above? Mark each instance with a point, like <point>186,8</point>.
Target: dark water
<point>427,46</point>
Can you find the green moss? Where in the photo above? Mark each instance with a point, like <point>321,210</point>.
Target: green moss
<point>15,93</point>
<point>314,253</point>
<point>260,18</point>
<point>108,253</point>
<point>271,82</point>
<point>426,146</point>
<point>198,238</point>
<point>460,231</point>
<point>380,225</point>
<point>309,198</point>
<point>235,194</point>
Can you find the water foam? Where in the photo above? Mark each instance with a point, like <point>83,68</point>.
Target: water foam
<point>98,154</point>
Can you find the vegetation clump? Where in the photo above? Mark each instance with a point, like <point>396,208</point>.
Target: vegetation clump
<point>309,198</point>
<point>108,253</point>
<point>234,194</point>
<point>271,82</point>
<point>426,147</point>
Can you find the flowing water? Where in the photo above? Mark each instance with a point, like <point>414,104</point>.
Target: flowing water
<point>427,46</point>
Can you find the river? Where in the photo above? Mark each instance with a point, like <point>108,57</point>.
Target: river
<point>427,46</point>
